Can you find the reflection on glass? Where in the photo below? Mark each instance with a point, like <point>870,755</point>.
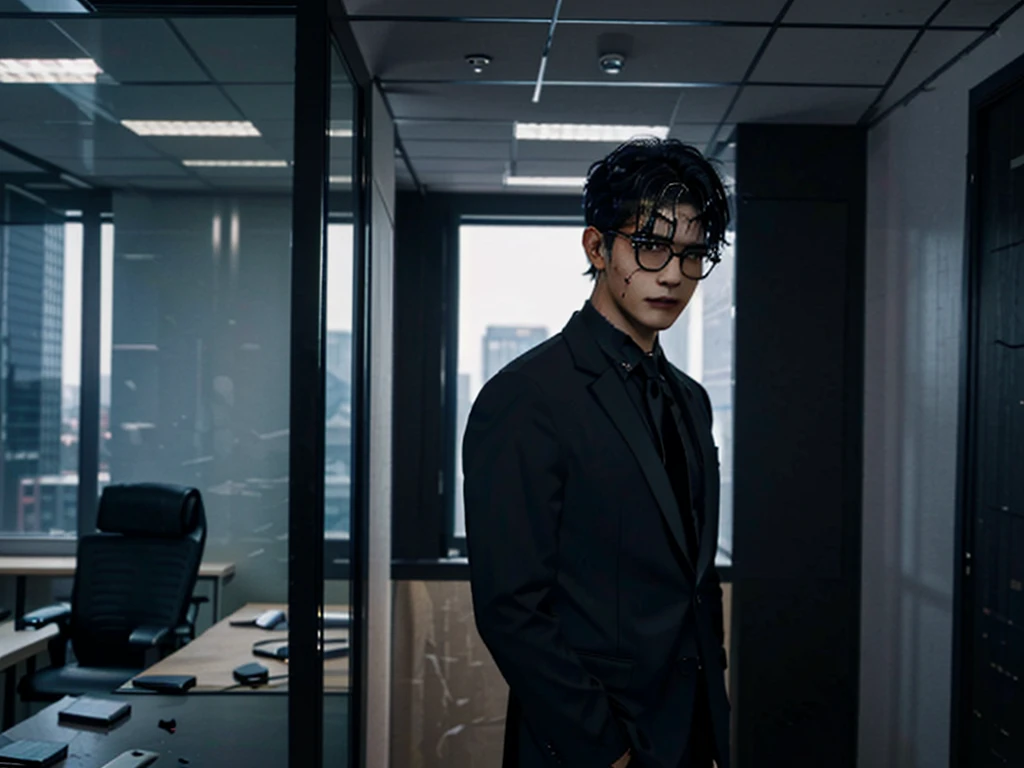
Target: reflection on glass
<point>505,312</point>
<point>195,268</point>
<point>40,271</point>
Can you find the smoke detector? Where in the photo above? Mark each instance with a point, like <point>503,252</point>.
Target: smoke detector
<point>612,63</point>
<point>478,62</point>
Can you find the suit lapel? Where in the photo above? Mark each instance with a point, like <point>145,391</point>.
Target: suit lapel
<point>611,395</point>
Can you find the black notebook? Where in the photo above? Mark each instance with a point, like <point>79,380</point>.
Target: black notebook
<point>89,711</point>
<point>37,754</point>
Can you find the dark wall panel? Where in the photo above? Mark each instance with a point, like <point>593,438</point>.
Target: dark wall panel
<point>798,400</point>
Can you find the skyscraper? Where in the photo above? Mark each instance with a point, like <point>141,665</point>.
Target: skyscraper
<point>31,326</point>
<point>504,343</point>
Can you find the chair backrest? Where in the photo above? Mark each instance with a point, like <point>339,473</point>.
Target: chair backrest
<point>139,569</point>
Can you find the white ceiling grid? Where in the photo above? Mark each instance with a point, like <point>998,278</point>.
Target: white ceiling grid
<point>711,65</point>
<point>707,65</point>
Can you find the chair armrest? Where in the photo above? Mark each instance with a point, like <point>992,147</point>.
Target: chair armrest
<point>150,636</point>
<point>58,612</point>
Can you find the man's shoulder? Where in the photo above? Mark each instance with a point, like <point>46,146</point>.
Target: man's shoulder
<point>536,370</point>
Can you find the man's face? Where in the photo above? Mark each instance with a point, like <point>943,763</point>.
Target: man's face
<point>634,293</point>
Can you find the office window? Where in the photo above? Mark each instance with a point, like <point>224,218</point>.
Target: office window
<point>40,277</point>
<point>519,284</point>
<point>338,386</point>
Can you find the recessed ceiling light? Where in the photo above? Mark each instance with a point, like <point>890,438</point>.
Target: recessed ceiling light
<point>235,163</point>
<point>191,127</point>
<point>340,129</point>
<point>585,132</point>
<point>49,71</point>
<point>573,182</point>
<point>340,179</point>
<point>478,62</point>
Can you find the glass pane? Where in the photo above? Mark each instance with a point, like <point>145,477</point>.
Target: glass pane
<point>185,131</point>
<point>338,412</point>
<point>41,278</point>
<point>505,312</point>
<point>497,324</point>
<point>701,343</point>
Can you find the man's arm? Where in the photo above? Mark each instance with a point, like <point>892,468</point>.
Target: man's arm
<point>513,497</point>
<point>717,610</point>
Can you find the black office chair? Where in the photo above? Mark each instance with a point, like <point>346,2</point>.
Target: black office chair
<point>132,602</point>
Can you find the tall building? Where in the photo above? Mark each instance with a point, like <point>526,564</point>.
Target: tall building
<point>31,326</point>
<point>504,343</point>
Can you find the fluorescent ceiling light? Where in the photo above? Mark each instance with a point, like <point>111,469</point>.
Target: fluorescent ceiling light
<point>49,71</point>
<point>584,132</point>
<point>191,127</point>
<point>575,182</point>
<point>235,163</point>
<point>340,179</point>
<point>340,133</point>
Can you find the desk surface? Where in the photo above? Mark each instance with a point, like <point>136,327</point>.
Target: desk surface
<point>213,655</point>
<point>212,729</point>
<point>15,646</point>
<point>11,565</point>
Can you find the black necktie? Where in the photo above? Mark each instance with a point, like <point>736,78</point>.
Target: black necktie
<point>662,407</point>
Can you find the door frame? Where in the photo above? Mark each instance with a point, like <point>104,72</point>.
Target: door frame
<point>982,96</point>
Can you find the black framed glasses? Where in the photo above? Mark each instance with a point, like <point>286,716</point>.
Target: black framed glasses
<point>653,254</point>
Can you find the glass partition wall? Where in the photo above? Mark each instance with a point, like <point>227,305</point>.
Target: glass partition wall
<point>170,269</point>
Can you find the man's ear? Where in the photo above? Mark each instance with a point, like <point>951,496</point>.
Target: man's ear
<point>593,245</point>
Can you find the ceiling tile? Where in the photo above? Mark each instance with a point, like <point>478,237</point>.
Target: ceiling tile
<point>771,104</point>
<point>35,39</point>
<point>243,50</point>
<point>980,12</point>
<point>455,130</point>
<point>690,10</point>
<point>414,51</point>
<point>78,138</point>
<point>553,167</point>
<point>932,51</point>
<point>166,102</point>
<point>258,102</point>
<point>435,165</point>
<point>39,103</point>
<point>162,183</point>
<point>11,164</point>
<point>862,12</point>
<point>135,50</point>
<point>643,106</point>
<point>832,56</point>
<point>220,148</point>
<point>574,152</point>
<point>693,134</point>
<point>452,150</point>
<point>752,10</point>
<point>653,54</point>
<point>165,168</point>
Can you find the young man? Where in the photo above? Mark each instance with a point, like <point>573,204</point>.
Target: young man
<point>591,495</point>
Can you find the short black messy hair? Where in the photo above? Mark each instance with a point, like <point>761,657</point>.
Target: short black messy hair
<point>636,174</point>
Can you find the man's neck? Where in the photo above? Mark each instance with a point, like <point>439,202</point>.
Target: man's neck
<point>604,304</point>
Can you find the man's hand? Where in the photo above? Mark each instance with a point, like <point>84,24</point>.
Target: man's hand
<point>623,761</point>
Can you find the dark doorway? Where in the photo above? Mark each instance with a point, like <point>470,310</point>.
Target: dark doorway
<point>989,692</point>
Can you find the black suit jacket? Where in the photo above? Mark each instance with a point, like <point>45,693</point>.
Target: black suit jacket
<point>582,589</point>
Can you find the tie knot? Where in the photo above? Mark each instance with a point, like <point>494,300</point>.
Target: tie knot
<point>650,368</point>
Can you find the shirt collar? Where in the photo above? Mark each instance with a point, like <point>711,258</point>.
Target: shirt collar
<point>619,347</point>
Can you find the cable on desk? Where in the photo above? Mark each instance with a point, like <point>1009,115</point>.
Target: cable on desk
<point>249,685</point>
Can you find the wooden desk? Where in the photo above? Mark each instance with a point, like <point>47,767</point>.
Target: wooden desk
<point>16,647</point>
<point>23,567</point>
<point>213,655</point>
